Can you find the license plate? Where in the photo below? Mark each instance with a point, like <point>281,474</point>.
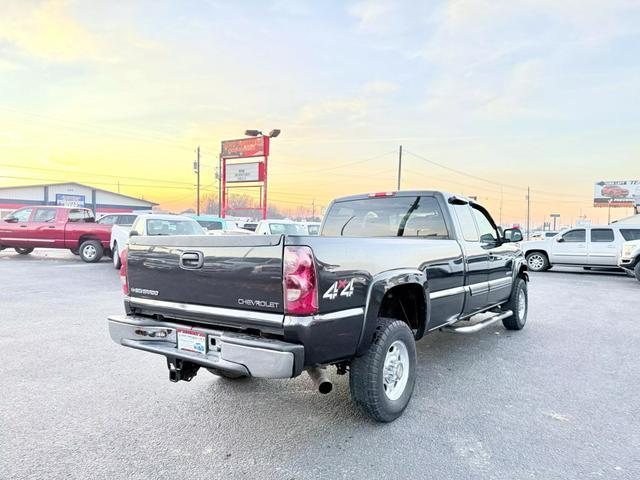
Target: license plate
<point>192,341</point>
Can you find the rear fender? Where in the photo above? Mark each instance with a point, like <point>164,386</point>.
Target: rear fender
<point>380,285</point>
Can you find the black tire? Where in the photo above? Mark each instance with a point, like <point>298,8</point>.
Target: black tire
<point>519,295</point>
<point>636,271</point>
<point>366,374</point>
<point>75,251</point>
<point>23,250</point>
<point>117,264</point>
<point>538,261</point>
<point>91,251</point>
<point>225,374</point>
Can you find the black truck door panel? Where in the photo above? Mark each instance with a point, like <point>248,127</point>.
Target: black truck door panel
<point>476,260</point>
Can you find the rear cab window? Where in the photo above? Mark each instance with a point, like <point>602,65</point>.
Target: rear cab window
<point>418,216</point>
<point>286,229</point>
<point>80,215</point>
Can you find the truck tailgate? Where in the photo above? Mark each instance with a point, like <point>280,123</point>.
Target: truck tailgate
<point>228,272</point>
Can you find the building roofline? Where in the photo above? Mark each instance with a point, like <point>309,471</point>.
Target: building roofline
<point>80,185</point>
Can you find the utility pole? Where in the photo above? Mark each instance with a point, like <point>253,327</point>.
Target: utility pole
<point>528,213</point>
<point>501,200</point>
<point>313,209</point>
<point>197,169</point>
<point>609,213</point>
<point>118,186</point>
<point>399,166</point>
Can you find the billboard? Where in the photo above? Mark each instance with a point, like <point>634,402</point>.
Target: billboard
<point>617,193</point>
<point>244,172</point>
<point>73,201</point>
<point>246,147</point>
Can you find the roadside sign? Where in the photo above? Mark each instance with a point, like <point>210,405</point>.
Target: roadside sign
<point>617,193</point>
<point>246,147</point>
<point>244,172</point>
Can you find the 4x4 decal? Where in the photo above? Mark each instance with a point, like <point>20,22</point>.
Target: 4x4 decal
<point>344,288</point>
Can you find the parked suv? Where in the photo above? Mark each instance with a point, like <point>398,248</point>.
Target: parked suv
<point>595,246</point>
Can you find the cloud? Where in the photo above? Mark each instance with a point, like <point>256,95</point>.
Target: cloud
<point>47,31</point>
<point>371,15</point>
<point>379,87</point>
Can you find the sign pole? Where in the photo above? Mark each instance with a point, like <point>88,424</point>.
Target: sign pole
<point>264,191</point>
<point>224,188</point>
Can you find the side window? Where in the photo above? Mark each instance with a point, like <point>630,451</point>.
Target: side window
<point>44,215</point>
<point>488,233</point>
<point>468,226</point>
<point>125,219</point>
<point>425,221</point>
<point>630,233</point>
<point>22,215</point>
<point>575,236</point>
<point>77,215</point>
<point>602,235</point>
<point>108,220</point>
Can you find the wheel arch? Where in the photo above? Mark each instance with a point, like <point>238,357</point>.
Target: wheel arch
<point>410,288</point>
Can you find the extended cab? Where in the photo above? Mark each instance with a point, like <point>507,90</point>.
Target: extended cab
<point>55,227</point>
<point>386,270</point>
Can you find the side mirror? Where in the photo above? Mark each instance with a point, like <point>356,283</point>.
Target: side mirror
<point>560,239</point>
<point>11,220</point>
<point>512,235</point>
<point>134,233</point>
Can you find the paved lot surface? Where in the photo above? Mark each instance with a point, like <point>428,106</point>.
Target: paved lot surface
<point>558,400</point>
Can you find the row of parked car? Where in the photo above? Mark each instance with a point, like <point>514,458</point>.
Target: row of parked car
<point>77,230</point>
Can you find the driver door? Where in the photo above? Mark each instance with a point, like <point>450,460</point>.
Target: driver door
<point>570,248</point>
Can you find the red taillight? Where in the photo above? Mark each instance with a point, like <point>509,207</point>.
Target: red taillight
<point>382,194</point>
<point>300,281</point>
<point>123,271</point>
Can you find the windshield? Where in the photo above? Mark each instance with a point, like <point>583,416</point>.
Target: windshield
<point>158,226</point>
<point>210,224</point>
<point>313,229</point>
<point>386,217</point>
<point>287,229</point>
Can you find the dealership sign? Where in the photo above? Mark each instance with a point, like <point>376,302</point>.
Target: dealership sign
<point>244,172</point>
<point>246,147</point>
<point>73,201</point>
<point>619,193</point>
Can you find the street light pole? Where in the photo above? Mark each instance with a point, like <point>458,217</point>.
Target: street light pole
<point>198,181</point>
<point>399,166</point>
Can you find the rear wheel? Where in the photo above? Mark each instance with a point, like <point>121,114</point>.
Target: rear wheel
<point>519,304</point>
<point>225,374</point>
<point>636,271</point>
<point>382,380</point>
<point>116,257</point>
<point>91,251</point>
<point>537,262</point>
<point>23,250</point>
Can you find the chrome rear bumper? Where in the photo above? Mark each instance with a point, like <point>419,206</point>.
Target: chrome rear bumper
<point>228,351</point>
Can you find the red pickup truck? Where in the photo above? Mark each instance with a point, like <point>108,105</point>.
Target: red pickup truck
<point>55,227</point>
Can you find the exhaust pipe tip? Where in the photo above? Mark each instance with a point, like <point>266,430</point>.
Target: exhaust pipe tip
<point>325,387</point>
<point>320,380</point>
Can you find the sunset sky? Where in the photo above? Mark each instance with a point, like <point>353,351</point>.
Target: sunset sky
<point>499,95</point>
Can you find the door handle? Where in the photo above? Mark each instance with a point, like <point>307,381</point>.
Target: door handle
<point>23,226</point>
<point>51,227</point>
<point>191,260</point>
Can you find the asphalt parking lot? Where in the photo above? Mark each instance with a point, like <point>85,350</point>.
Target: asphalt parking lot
<point>558,400</point>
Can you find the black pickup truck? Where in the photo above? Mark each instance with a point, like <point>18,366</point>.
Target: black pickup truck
<point>387,269</point>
